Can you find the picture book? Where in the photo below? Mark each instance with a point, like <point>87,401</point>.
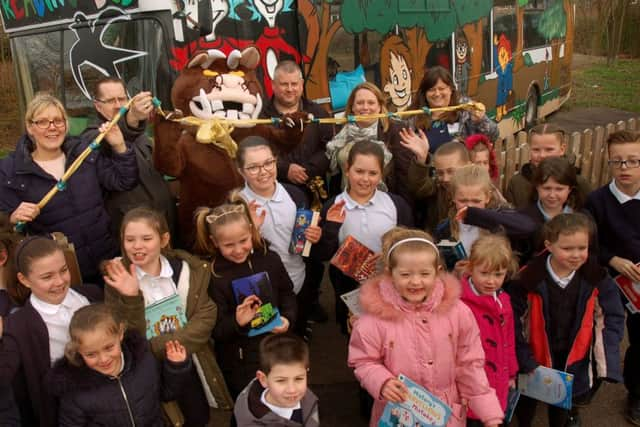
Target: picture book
<point>352,300</point>
<point>315,218</point>
<point>512,402</point>
<point>421,409</point>
<point>267,316</point>
<point>355,260</point>
<point>451,252</point>
<point>631,290</point>
<point>165,316</point>
<point>303,220</point>
<point>547,385</point>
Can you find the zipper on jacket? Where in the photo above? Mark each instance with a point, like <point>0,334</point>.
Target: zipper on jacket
<point>126,401</point>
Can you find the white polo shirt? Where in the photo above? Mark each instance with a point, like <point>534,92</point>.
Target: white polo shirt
<point>368,222</point>
<point>277,228</point>
<point>619,195</point>
<point>155,288</point>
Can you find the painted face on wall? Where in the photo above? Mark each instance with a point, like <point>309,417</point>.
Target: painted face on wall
<point>461,50</point>
<point>269,10</point>
<point>399,85</point>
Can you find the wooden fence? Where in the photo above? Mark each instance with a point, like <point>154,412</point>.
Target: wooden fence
<point>589,148</point>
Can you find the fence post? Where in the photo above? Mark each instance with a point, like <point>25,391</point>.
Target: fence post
<point>523,146</point>
<point>576,147</point>
<point>598,144</point>
<point>631,124</point>
<point>500,157</point>
<point>510,158</point>
<point>587,154</point>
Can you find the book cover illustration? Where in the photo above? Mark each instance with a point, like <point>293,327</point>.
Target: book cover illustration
<point>421,409</point>
<point>267,317</point>
<point>355,259</point>
<point>451,253</point>
<point>547,385</point>
<point>631,290</point>
<point>165,316</point>
<point>352,300</point>
<point>512,401</point>
<point>303,220</point>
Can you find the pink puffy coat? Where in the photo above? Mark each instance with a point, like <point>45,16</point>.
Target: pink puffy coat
<point>436,344</point>
<point>495,320</point>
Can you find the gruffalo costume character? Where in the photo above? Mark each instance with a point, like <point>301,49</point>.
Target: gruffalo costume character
<point>213,85</point>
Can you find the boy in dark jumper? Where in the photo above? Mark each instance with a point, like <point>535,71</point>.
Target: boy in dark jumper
<point>616,208</point>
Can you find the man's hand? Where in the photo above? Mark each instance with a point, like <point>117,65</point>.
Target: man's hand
<point>297,174</point>
<point>114,138</point>
<point>140,109</point>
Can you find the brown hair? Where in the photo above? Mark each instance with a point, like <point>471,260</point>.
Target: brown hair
<point>41,101</point>
<point>547,129</point>
<point>208,220</point>
<point>567,224</point>
<point>348,111</point>
<point>429,80</point>
<point>393,45</point>
<point>623,137</point>
<point>88,319</point>
<point>563,172</point>
<point>366,148</point>
<point>494,252</point>
<point>151,217</point>
<point>252,141</point>
<point>397,234</point>
<point>9,240</point>
<point>32,249</point>
<point>282,349</point>
<point>452,147</point>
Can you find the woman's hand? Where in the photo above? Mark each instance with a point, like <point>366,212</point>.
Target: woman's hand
<point>313,234</point>
<point>625,267</point>
<point>336,212</point>
<point>25,212</point>
<point>246,311</point>
<point>258,219</point>
<point>282,328</point>
<point>394,391</point>
<point>176,352</point>
<point>125,282</point>
<point>416,143</point>
<point>114,138</point>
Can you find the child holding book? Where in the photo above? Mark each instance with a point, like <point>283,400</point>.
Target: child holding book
<point>276,207</point>
<point>415,324</point>
<point>361,211</point>
<point>568,316</point>
<point>490,262</point>
<point>279,394</point>
<point>35,336</point>
<point>162,273</point>
<point>228,234</point>
<point>545,140</point>
<point>110,377</point>
<point>616,209</point>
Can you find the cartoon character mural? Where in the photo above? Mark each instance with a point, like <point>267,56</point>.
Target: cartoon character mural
<point>395,73</point>
<point>462,63</point>
<point>503,63</point>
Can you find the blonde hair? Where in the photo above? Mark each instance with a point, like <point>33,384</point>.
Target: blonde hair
<point>379,96</point>
<point>209,220</point>
<point>88,319</point>
<point>41,101</point>
<point>469,175</point>
<point>493,251</point>
<point>397,234</point>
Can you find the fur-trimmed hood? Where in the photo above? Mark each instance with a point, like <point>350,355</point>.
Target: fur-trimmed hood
<point>379,297</point>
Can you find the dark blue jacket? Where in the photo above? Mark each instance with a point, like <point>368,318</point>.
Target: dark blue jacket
<point>79,210</point>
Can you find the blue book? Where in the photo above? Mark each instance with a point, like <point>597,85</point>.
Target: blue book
<point>512,402</point>
<point>421,409</point>
<point>165,316</point>
<point>547,385</point>
<point>451,253</point>
<point>303,220</point>
<point>267,317</point>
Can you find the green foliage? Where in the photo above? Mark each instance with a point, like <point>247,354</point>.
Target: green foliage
<point>527,60</point>
<point>523,3</point>
<point>553,22</point>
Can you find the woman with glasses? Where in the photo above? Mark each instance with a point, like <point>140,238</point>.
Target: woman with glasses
<point>274,206</point>
<point>42,155</point>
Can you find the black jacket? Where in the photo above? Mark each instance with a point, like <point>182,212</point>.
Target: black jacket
<point>89,398</point>
<point>237,353</point>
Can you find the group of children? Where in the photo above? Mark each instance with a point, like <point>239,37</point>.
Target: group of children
<point>78,355</point>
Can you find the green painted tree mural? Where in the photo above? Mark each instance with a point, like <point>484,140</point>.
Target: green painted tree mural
<point>553,27</point>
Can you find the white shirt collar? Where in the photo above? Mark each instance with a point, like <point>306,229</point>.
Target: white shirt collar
<point>351,204</point>
<point>546,216</point>
<point>563,282</point>
<point>285,413</point>
<point>165,270</point>
<point>44,307</point>
<point>618,194</point>
<point>493,294</point>
<point>277,196</point>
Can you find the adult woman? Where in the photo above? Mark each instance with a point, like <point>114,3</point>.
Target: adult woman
<point>39,161</point>
<point>365,99</point>
<point>361,211</point>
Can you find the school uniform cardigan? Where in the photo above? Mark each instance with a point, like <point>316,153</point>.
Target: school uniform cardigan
<point>24,356</point>
<point>237,353</point>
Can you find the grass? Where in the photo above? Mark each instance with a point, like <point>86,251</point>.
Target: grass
<point>597,85</point>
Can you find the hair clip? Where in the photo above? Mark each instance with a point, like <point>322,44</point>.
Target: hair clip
<point>213,217</point>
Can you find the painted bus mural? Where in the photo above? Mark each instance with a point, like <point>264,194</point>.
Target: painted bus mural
<point>512,55</point>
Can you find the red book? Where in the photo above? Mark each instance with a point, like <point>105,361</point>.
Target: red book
<point>355,259</point>
<point>631,290</point>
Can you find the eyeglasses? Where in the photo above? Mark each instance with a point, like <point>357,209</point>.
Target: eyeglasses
<point>268,166</point>
<point>629,163</point>
<point>45,123</point>
<point>113,101</point>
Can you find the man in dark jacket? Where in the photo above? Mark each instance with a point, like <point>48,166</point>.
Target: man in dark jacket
<point>152,191</point>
